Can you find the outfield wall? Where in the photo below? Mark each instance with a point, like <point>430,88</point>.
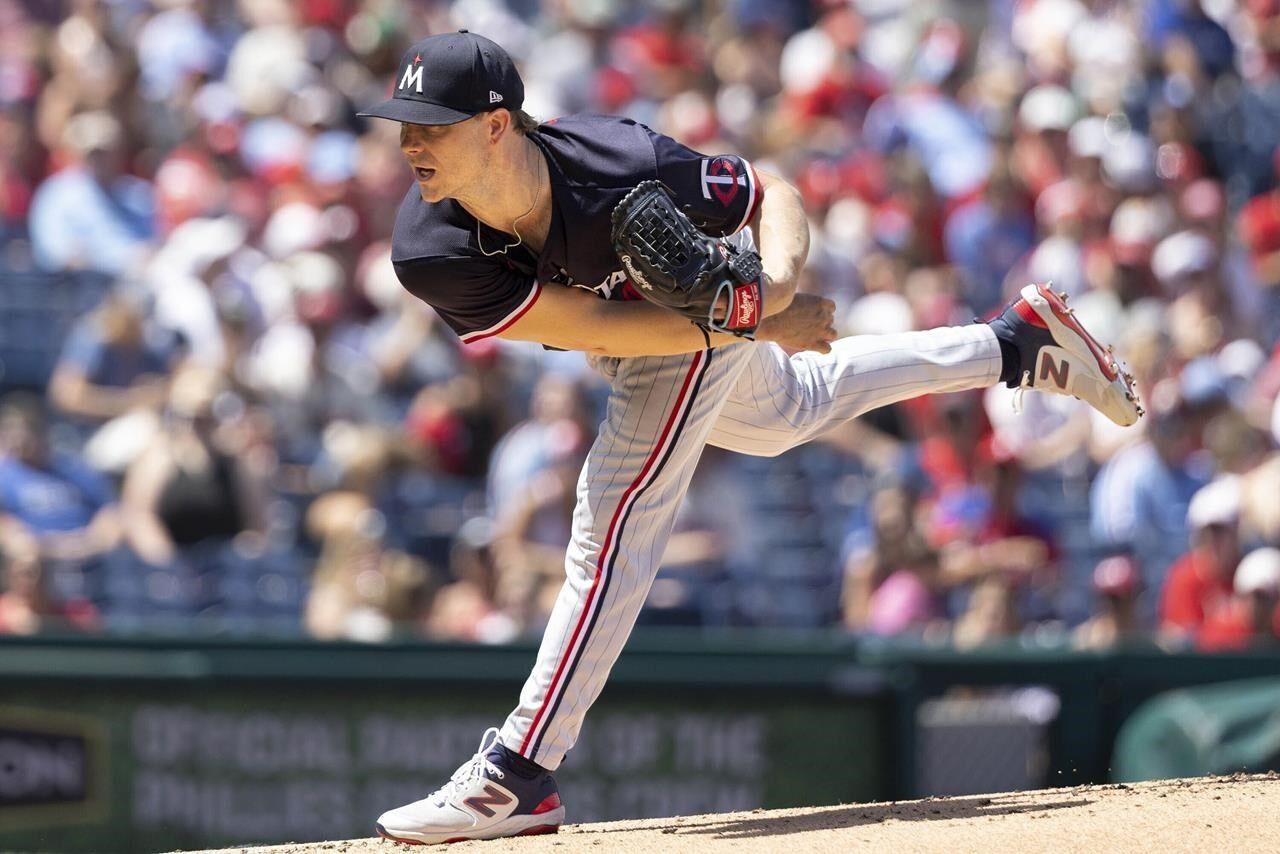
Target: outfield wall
<point>148,744</point>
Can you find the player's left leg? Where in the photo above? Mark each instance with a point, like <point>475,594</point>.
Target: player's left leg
<point>781,401</point>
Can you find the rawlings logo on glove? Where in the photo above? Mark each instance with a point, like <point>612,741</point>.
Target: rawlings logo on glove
<point>678,267</point>
<point>748,313</point>
<point>635,274</point>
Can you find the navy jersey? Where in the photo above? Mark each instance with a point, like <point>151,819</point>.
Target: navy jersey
<point>593,162</point>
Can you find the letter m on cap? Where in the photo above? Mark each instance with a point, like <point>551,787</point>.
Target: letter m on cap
<point>491,797</point>
<point>1060,371</point>
<point>412,75</point>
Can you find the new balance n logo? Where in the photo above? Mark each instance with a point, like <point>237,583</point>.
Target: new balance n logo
<point>1060,371</point>
<point>491,797</point>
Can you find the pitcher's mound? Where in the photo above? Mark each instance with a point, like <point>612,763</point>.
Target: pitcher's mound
<point>1238,814</point>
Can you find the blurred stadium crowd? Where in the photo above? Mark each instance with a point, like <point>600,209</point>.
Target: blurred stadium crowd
<point>222,414</point>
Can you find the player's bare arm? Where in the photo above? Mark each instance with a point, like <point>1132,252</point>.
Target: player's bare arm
<point>782,237</point>
<point>575,319</point>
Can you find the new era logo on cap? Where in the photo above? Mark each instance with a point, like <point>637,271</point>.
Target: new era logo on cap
<point>494,97</point>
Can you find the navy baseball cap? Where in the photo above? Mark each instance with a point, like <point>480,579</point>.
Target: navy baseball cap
<point>450,77</point>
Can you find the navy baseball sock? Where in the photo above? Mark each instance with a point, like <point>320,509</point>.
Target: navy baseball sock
<point>526,768</point>
<point>1010,360</point>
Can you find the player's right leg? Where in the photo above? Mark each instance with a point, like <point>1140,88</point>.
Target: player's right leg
<point>487,798</point>
<point>634,479</point>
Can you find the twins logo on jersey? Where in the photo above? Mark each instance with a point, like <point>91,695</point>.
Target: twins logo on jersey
<point>721,178</point>
<point>604,288</point>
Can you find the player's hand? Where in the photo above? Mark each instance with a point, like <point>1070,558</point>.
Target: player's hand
<point>807,324</point>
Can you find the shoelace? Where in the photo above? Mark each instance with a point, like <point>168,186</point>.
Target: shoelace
<point>1020,391</point>
<point>473,769</point>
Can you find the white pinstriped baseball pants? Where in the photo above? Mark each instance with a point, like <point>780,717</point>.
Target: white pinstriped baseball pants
<point>662,411</point>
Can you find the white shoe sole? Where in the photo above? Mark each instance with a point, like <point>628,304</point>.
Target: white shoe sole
<point>516,825</point>
<point>1105,386</point>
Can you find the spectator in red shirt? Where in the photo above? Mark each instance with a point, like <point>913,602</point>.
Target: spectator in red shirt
<point>1199,585</point>
<point>1252,619</point>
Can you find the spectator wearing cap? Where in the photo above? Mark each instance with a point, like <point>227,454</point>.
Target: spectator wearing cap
<point>91,215</point>
<point>1137,226</point>
<point>1139,500</point>
<point>1045,116</point>
<point>1199,584</point>
<point>1201,317</point>
<point>1179,259</point>
<point>1252,617</point>
<point>1116,581</point>
<point>1089,142</point>
<point>190,274</point>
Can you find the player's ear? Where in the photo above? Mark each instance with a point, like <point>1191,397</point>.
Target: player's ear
<point>498,123</point>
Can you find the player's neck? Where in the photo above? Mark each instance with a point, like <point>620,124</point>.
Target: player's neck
<point>516,195</point>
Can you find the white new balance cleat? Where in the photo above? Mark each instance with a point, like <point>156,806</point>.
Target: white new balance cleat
<point>485,799</point>
<point>1058,355</point>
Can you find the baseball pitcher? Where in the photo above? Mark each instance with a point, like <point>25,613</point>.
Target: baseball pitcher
<point>675,271</point>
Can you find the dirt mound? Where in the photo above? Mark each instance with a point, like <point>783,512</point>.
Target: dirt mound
<point>1235,814</point>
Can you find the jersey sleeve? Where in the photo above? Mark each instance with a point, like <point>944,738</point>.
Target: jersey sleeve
<point>721,193</point>
<point>478,298</point>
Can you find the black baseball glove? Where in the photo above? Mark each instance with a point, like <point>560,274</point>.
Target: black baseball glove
<point>676,266</point>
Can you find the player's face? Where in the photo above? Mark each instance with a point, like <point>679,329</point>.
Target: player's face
<point>445,158</point>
